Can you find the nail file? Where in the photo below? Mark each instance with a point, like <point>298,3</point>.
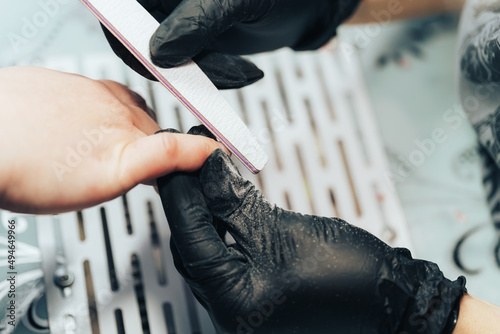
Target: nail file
<point>134,26</point>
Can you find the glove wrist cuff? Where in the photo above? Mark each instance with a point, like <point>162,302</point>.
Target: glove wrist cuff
<point>453,318</point>
<point>435,312</point>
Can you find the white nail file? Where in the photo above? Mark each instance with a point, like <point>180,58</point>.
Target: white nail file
<point>134,26</point>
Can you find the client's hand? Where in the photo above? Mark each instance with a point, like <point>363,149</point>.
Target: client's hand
<point>69,142</point>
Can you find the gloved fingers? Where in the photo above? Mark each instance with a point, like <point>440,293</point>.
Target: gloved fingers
<point>177,259</point>
<point>152,5</point>
<point>244,226</point>
<point>182,270</point>
<point>228,71</point>
<point>247,215</point>
<point>149,157</point>
<point>124,54</point>
<point>192,27</point>
<point>159,10</point>
<point>201,252</point>
<point>225,71</point>
<point>201,130</point>
<point>221,229</point>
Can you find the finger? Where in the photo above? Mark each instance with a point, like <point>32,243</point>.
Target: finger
<point>179,265</point>
<point>151,5</point>
<point>152,156</point>
<point>153,182</point>
<point>200,249</point>
<point>191,27</point>
<point>130,98</point>
<point>201,130</point>
<point>159,9</point>
<point>124,54</point>
<point>227,71</point>
<point>233,200</point>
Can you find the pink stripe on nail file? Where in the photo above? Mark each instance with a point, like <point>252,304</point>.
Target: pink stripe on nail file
<point>134,26</point>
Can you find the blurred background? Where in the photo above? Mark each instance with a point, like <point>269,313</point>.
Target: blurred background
<point>405,79</point>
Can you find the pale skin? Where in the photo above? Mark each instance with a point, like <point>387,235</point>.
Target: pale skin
<point>477,317</point>
<point>45,114</point>
<point>402,9</point>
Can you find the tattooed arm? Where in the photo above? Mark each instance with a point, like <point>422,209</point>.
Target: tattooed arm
<point>479,83</point>
<point>479,33</point>
<point>479,70</point>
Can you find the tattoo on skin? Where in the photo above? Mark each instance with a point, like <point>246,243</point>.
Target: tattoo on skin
<point>480,51</point>
<point>479,60</point>
<point>485,6</point>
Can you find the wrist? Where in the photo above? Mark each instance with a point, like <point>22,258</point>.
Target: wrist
<point>477,316</point>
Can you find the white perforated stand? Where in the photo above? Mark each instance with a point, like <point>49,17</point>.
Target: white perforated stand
<point>311,113</point>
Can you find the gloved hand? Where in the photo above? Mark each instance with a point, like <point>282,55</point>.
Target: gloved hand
<point>294,273</point>
<point>212,32</point>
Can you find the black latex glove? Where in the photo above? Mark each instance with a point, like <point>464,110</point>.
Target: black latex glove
<point>293,273</point>
<point>225,71</point>
<point>212,32</point>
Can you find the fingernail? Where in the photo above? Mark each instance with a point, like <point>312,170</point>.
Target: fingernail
<point>224,148</point>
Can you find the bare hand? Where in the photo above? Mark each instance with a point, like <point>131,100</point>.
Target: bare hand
<point>69,142</point>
